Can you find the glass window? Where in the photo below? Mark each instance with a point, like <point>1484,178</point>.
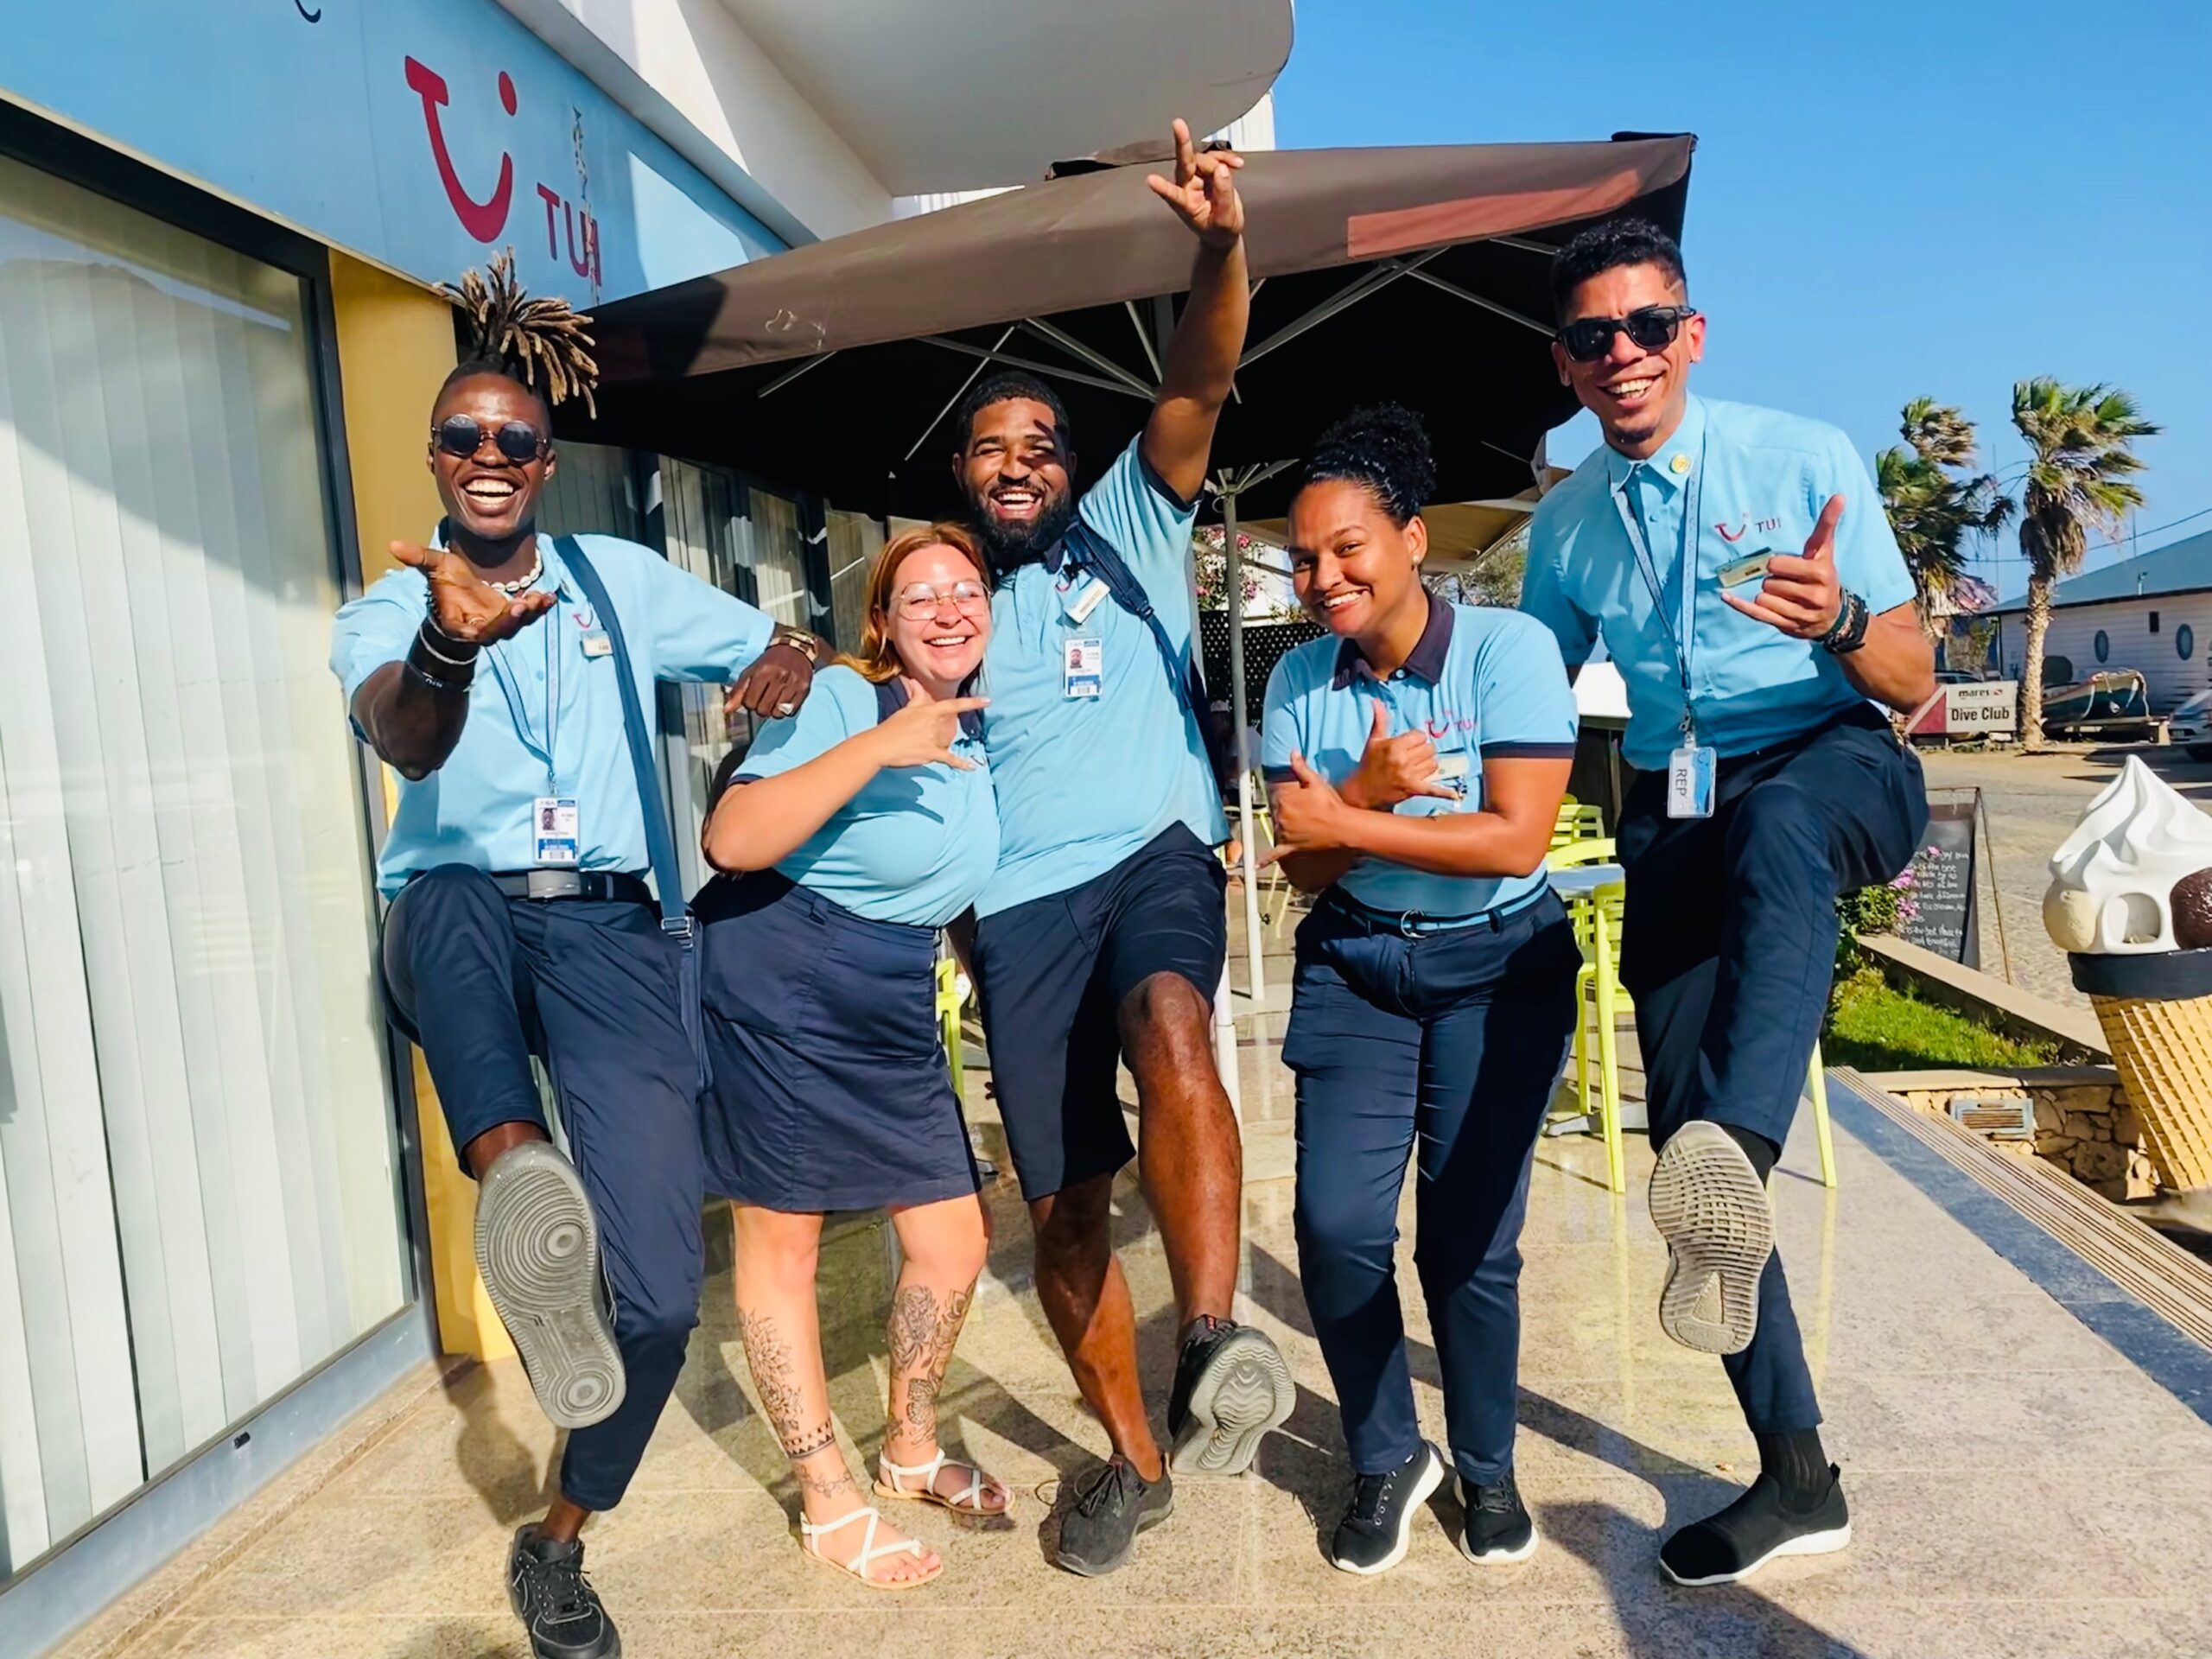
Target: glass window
<point>854,540</point>
<point>199,1198</point>
<point>2184,642</point>
<point>2102,645</point>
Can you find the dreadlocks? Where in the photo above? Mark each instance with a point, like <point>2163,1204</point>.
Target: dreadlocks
<point>514,336</point>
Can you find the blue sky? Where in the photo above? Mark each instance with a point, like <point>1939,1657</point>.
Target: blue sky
<point>1888,199</point>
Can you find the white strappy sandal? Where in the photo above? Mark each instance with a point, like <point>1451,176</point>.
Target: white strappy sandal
<point>891,1478</point>
<point>870,1553</point>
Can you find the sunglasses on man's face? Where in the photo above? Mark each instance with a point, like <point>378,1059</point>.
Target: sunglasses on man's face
<point>1653,328</point>
<point>464,434</point>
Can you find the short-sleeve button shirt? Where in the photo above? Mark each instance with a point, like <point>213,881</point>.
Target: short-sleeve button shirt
<point>917,844</point>
<point>1765,476</point>
<point>1485,684</point>
<point>476,809</point>
<point>1084,782</point>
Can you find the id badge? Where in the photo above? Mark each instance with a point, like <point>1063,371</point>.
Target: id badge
<point>598,644</point>
<point>1451,772</point>
<point>1689,782</point>
<point>1080,608</point>
<point>1083,667</point>
<point>554,829</point>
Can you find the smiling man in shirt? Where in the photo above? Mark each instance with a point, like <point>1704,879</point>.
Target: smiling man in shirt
<point>521,926</point>
<point>1738,566</point>
<point>1104,935</point>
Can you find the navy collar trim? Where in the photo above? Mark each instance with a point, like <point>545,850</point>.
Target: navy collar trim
<point>1425,659</point>
<point>891,698</point>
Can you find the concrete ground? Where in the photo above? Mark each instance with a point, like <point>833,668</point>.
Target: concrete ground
<point>2033,802</point>
<point>2019,1487</point>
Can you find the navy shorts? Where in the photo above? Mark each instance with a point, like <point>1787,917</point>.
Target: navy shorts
<point>1051,975</point>
<point>831,1090</point>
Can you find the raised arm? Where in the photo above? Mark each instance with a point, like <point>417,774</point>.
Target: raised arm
<point>1201,364</point>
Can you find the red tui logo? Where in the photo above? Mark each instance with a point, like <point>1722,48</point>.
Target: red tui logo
<point>482,219</point>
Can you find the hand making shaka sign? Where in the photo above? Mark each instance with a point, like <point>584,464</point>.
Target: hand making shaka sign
<point>1801,594</point>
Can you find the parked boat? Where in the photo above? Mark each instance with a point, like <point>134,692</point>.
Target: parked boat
<point>2111,696</point>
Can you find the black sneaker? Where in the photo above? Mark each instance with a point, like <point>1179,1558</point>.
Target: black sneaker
<point>1754,1529</point>
<point>549,1594</point>
<point>1500,1530</point>
<point>538,1248</point>
<point>1373,1535</point>
<point>1112,1504</point>
<point>1231,1389</point>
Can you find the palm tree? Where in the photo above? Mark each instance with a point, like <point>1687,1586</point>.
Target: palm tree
<point>1933,504</point>
<point>2081,459</point>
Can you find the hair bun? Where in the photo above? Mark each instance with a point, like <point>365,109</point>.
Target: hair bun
<point>1384,446</point>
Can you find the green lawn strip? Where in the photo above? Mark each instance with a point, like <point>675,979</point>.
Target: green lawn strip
<point>1876,1028</point>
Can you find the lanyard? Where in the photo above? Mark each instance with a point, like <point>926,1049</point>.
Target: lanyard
<point>1683,638</point>
<point>548,625</point>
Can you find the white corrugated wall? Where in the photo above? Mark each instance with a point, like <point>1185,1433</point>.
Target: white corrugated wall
<point>2127,625</point>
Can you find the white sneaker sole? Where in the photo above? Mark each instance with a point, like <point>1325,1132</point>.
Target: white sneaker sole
<point>1497,1557</point>
<point>538,1248</point>
<point>1244,1394</point>
<point>1424,1489</point>
<point>1708,1204</point>
<point>1811,1543</point>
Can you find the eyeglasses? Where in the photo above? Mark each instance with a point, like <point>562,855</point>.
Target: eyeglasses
<point>919,602</point>
<point>1651,327</point>
<point>464,434</point>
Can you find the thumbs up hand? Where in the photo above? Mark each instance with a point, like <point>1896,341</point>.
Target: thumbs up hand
<point>1393,769</point>
<point>1802,595</point>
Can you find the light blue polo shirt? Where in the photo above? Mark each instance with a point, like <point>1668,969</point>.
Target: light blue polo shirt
<point>1084,782</point>
<point>1485,684</point>
<point>917,844</point>
<point>1766,477</point>
<point>476,808</point>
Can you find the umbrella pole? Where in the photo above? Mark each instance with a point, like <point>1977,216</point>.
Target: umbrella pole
<point>1255,937</point>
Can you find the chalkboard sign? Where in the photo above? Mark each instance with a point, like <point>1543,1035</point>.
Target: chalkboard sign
<point>1948,919</point>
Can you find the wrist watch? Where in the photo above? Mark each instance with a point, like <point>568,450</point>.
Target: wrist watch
<point>807,644</point>
<point>1849,632</point>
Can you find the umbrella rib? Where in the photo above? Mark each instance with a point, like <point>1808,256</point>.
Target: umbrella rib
<point>1376,277</point>
<point>1098,359</point>
<point>1472,298</point>
<point>1144,338</point>
<point>783,380</point>
<point>1033,366</point>
<point>1525,245</point>
<point>949,403</point>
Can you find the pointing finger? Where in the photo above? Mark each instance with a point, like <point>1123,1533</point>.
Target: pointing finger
<point>1757,613</point>
<point>1823,538</point>
<point>1186,155</point>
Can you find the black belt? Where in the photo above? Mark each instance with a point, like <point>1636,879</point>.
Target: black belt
<point>603,885</point>
<point>1418,924</point>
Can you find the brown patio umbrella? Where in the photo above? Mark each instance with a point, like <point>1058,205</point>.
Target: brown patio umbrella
<point>1414,274</point>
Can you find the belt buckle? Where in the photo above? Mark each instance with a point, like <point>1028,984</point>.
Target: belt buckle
<point>555,884</point>
<point>1409,923</point>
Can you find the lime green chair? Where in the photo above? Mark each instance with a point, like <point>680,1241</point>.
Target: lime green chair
<point>952,992</point>
<point>1597,921</point>
<point>1577,822</point>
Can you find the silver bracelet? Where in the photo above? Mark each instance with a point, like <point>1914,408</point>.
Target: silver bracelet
<point>429,633</point>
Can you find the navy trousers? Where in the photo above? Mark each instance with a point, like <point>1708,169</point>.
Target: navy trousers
<point>591,989</point>
<point>1443,1047</point>
<point>1728,947</point>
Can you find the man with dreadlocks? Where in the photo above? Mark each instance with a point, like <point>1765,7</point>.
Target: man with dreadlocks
<point>520,922</point>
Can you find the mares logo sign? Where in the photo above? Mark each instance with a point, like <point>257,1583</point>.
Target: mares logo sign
<point>486,219</point>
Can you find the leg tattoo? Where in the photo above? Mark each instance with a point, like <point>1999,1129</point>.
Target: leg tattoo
<point>922,1333</point>
<point>777,1379</point>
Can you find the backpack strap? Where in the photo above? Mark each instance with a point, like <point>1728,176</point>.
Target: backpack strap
<point>1085,547</point>
<point>660,839</point>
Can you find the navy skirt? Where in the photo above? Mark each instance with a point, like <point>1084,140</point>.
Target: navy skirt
<point>831,1090</point>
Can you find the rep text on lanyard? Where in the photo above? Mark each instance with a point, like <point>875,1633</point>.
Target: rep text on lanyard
<point>556,822</point>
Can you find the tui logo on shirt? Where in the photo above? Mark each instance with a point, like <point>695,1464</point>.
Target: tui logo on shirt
<point>1742,525</point>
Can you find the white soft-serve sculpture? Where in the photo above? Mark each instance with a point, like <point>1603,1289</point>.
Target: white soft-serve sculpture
<point>2124,882</point>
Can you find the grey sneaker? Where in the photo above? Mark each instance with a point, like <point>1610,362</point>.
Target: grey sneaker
<point>1113,1503</point>
<point>549,1594</point>
<point>538,1248</point>
<point>1232,1389</point>
<point>1711,1207</point>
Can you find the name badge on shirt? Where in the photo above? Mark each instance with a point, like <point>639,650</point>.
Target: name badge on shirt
<point>555,829</point>
<point>1451,772</point>
<point>1083,667</point>
<point>1084,603</point>
<point>598,644</point>
<point>1689,782</point>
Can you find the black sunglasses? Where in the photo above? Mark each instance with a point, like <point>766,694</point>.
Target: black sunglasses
<point>1651,327</point>
<point>463,435</point>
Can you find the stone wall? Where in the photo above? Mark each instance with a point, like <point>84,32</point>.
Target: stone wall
<point>2084,1124</point>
